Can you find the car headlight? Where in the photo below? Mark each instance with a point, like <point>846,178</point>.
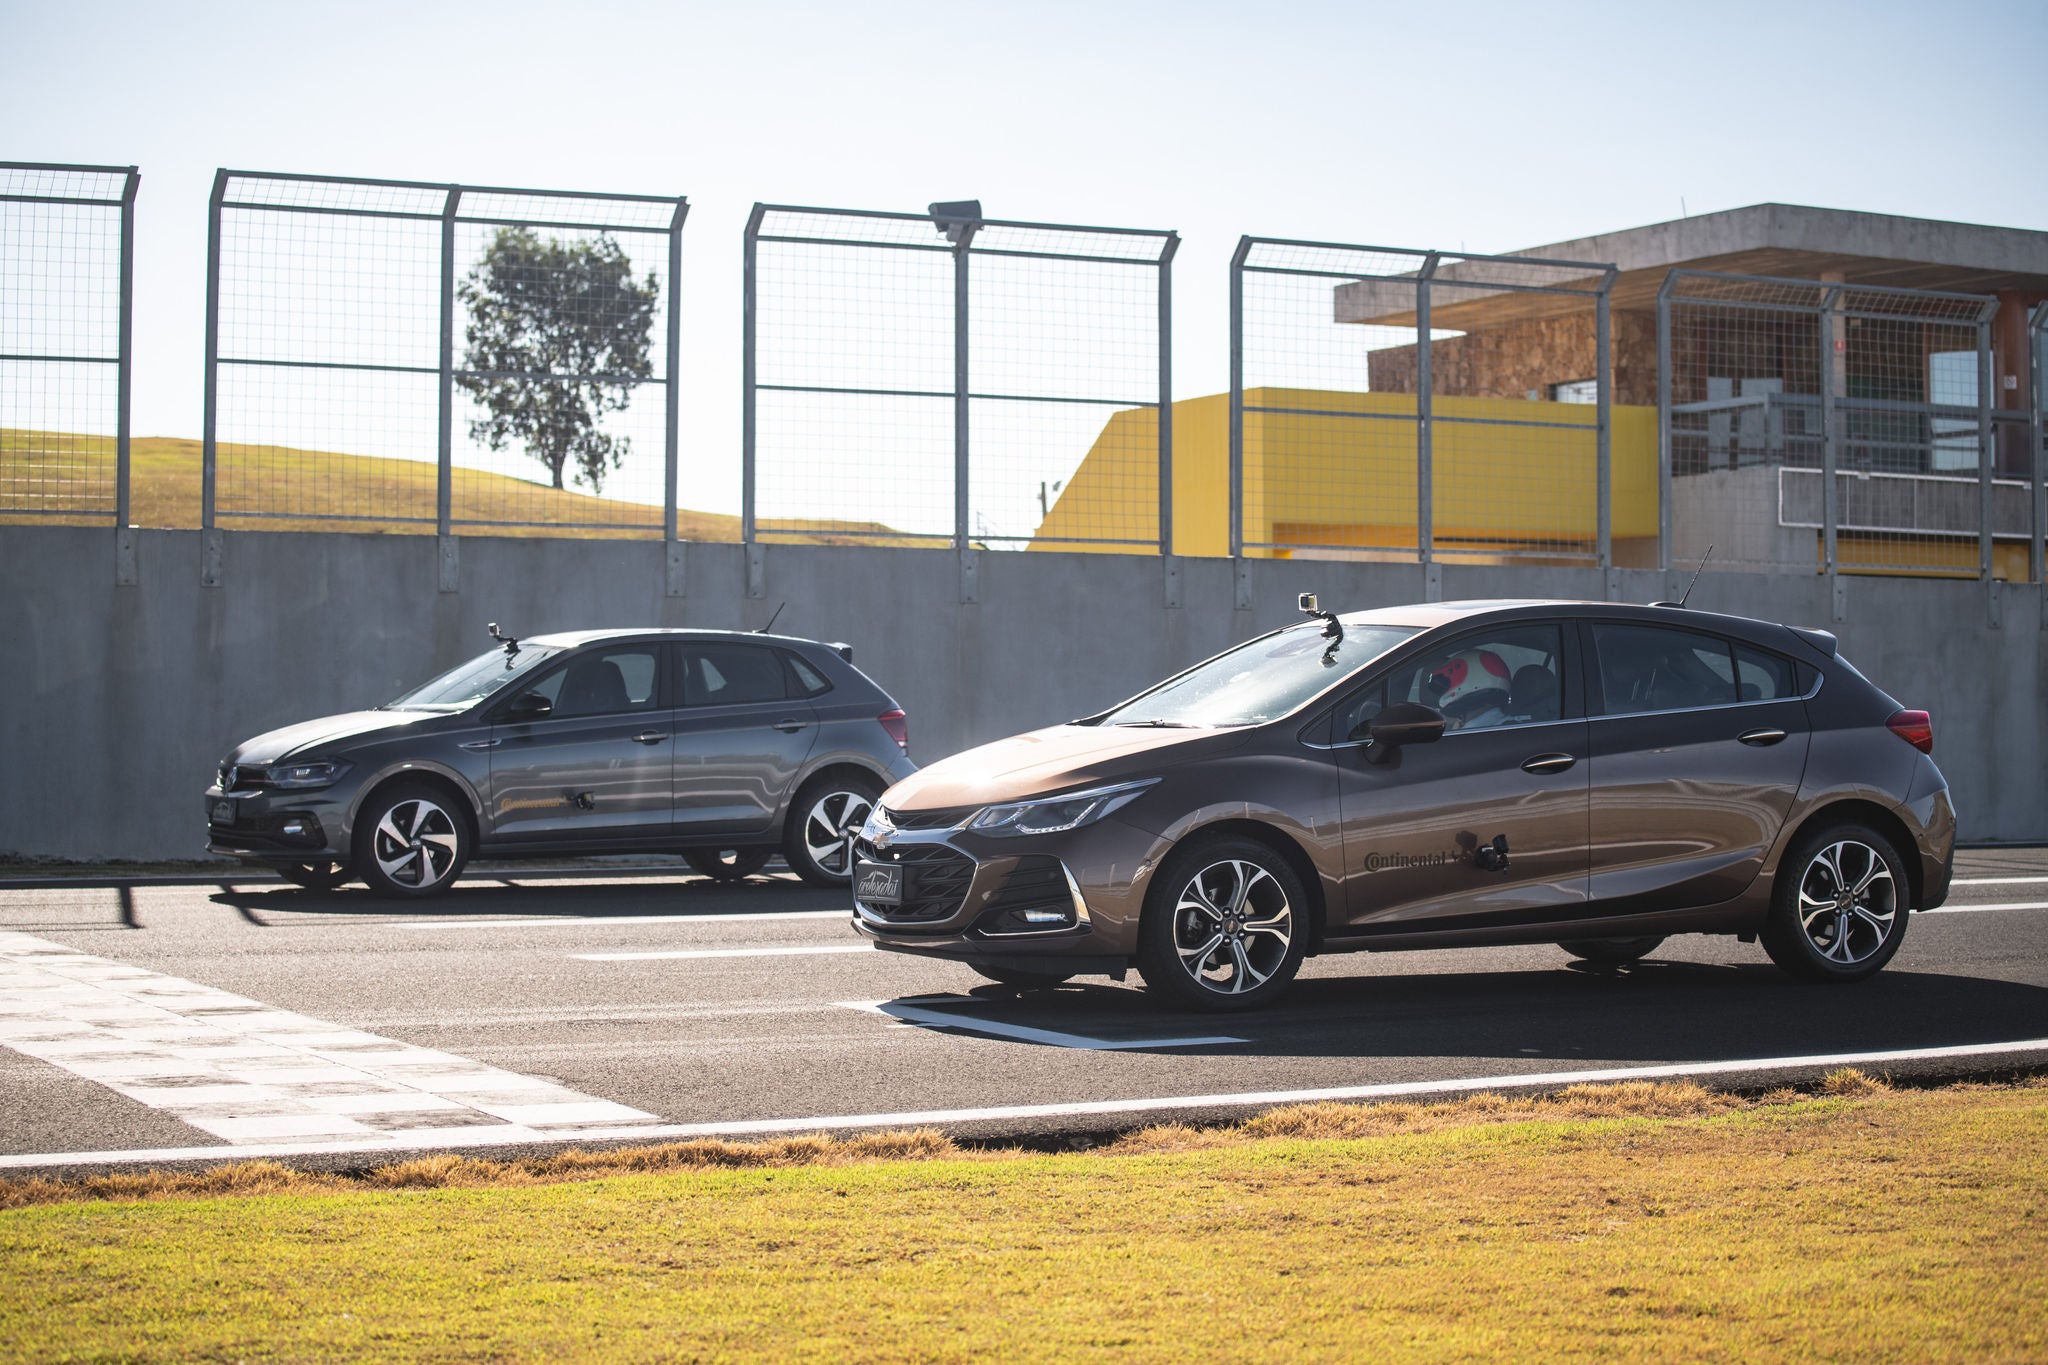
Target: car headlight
<point>303,774</point>
<point>1057,813</point>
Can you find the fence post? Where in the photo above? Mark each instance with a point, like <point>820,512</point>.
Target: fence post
<point>124,368</point>
<point>747,374</point>
<point>2038,551</point>
<point>1987,448</point>
<point>675,580</point>
<point>962,543</point>
<point>1242,590</point>
<point>1165,431</point>
<point>1425,476</point>
<point>1664,421</point>
<point>1603,385</point>
<point>444,490</point>
<point>211,549</point>
<point>1831,442</point>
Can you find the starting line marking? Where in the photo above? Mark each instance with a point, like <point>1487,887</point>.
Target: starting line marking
<point>570,922</point>
<point>1087,1108</point>
<point>1995,881</point>
<point>1965,909</point>
<point>804,951</point>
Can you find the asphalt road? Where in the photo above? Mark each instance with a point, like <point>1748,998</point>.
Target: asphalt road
<point>174,1023</point>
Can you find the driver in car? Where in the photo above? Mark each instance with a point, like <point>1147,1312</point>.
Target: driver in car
<point>1471,689</point>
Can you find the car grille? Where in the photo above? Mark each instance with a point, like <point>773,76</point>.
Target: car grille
<point>927,819</point>
<point>935,880</point>
<point>243,778</point>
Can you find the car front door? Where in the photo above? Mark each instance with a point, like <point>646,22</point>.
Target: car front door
<point>1486,826</point>
<point>597,766</point>
<point>742,732</point>
<point>1698,747</point>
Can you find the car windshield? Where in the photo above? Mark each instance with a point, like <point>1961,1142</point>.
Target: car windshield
<point>1260,681</point>
<point>467,684</point>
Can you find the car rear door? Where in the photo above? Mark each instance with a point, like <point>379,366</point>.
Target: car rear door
<point>743,731</point>
<point>598,766</point>
<point>1698,747</point>
<point>1419,830</point>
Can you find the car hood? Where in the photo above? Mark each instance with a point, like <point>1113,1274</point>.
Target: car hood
<point>1056,759</point>
<point>275,745</point>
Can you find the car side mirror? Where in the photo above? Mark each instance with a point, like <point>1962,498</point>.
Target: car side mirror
<point>529,706</point>
<point>1403,723</point>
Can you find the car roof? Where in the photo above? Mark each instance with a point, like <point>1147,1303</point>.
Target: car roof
<point>572,639</point>
<point>1430,615</point>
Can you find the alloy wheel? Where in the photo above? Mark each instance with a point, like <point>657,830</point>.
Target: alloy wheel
<point>834,816</point>
<point>1232,927</point>
<point>416,843</point>
<point>1848,902</point>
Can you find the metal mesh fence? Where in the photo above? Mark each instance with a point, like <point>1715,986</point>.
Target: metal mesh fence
<point>926,379</point>
<point>67,237</point>
<point>387,355</point>
<point>1832,427</point>
<point>1399,404</point>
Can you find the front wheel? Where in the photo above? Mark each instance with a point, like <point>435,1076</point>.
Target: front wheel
<point>1226,926</point>
<point>727,864</point>
<point>821,819</point>
<point>1838,911</point>
<point>1612,952</point>
<point>411,841</point>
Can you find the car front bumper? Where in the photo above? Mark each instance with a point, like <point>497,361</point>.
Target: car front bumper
<point>270,825</point>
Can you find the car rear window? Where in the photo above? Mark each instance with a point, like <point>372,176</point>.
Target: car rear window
<point>1655,668</point>
<point>732,675</point>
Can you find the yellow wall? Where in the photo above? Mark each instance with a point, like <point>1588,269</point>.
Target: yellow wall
<point>1349,481</point>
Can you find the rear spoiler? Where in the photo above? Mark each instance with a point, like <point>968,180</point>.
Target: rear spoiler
<point>846,651</point>
<point>1822,640</point>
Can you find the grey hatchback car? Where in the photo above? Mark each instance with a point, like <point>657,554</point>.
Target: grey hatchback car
<point>718,745</point>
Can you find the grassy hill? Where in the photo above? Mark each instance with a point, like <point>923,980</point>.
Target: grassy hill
<point>292,488</point>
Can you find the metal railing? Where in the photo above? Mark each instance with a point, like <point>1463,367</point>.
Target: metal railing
<point>397,355</point>
<point>1424,405</point>
<point>67,285</point>
<point>949,379</point>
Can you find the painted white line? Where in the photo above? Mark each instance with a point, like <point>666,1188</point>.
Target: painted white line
<point>804,951</point>
<point>1966,909</point>
<point>924,1018</point>
<point>1995,881</point>
<point>446,1138</point>
<point>571,922</point>
<point>245,1071</point>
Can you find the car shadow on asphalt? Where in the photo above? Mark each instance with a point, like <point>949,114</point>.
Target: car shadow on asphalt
<point>1654,1011</point>
<point>509,897</point>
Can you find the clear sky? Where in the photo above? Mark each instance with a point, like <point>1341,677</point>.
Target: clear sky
<point>1480,126</point>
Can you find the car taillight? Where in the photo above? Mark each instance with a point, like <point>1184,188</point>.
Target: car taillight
<point>898,726</point>
<point>1915,727</point>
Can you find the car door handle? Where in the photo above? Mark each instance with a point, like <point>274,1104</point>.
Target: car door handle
<point>1548,763</point>
<point>650,737</point>
<point>789,727</point>
<point>481,743</point>
<point>1761,738</point>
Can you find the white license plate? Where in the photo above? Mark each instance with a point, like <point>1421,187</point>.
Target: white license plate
<point>878,884</point>
<point>223,812</point>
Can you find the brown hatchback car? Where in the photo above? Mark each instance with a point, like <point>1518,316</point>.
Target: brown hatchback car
<point>1451,774</point>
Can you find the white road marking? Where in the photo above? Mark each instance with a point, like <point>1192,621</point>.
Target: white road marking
<point>1995,881</point>
<point>570,922</point>
<point>244,1071</point>
<point>1965,909</point>
<point>803,951</point>
<point>1259,1099</point>
<point>924,1018</point>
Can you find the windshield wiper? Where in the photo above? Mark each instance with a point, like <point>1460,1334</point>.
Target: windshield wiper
<point>1156,724</point>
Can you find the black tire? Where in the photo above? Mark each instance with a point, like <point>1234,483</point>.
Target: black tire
<point>412,840</point>
<point>313,876</point>
<point>727,864</point>
<point>1021,979</point>
<point>838,803</point>
<point>1256,940</point>
<point>1839,907</point>
<point>1613,952</point>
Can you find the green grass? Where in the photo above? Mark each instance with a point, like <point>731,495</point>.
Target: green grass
<point>1866,1225</point>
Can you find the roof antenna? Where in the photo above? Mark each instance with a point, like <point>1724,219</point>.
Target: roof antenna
<point>771,620</point>
<point>1680,603</point>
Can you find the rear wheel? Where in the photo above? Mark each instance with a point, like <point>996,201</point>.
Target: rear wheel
<point>1838,912</point>
<point>411,840</point>
<point>313,876</point>
<point>1225,928</point>
<point>1612,951</point>
<point>727,864</point>
<point>824,814</point>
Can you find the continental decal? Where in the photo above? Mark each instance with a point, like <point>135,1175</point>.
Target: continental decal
<point>531,803</point>
<point>1382,862</point>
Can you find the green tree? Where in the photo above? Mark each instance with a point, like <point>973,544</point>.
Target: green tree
<point>558,331</point>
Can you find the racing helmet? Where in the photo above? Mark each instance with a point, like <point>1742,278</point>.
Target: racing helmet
<point>1468,682</point>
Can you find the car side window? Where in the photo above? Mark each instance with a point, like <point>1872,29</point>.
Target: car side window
<point>1656,668</point>
<point>1357,712</point>
<point>804,681</point>
<point>1763,676</point>
<point>732,675</point>
<point>603,682</point>
<point>1511,675</point>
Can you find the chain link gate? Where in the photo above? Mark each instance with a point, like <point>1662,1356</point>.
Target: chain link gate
<point>67,273</point>
<point>1827,427</point>
<point>1388,403</point>
<point>390,355</point>
<point>946,379</point>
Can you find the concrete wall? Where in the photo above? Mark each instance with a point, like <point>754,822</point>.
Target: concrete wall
<point>116,702</point>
